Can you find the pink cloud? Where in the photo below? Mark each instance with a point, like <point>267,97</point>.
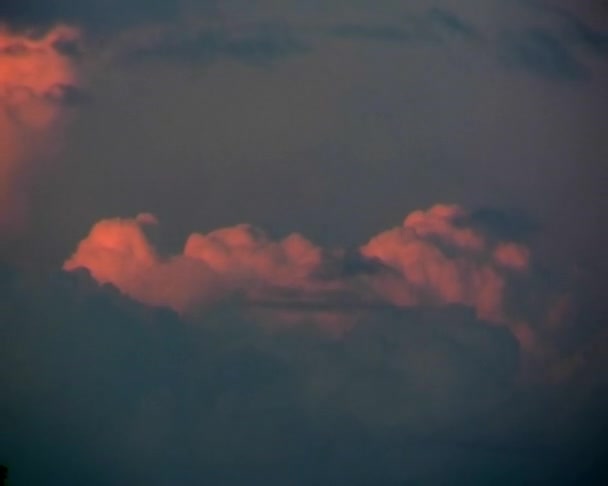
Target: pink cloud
<point>33,77</point>
<point>433,259</point>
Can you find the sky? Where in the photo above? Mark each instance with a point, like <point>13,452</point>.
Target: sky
<point>302,242</point>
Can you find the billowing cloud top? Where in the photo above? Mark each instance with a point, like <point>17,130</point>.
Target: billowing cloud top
<point>434,258</point>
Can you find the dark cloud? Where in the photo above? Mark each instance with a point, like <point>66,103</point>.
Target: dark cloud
<point>504,224</point>
<point>450,22</point>
<point>259,46</point>
<point>577,29</point>
<point>386,33</point>
<point>135,395</point>
<point>99,17</point>
<point>595,40</point>
<point>428,27</point>
<point>543,54</point>
<point>550,50</point>
<point>352,263</point>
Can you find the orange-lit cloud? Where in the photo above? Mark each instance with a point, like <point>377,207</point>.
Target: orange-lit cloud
<point>117,251</point>
<point>245,255</point>
<point>440,261</point>
<point>432,259</point>
<point>33,78</point>
<point>239,260</point>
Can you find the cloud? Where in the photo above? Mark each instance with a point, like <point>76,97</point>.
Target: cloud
<point>229,261</point>
<point>435,24</point>
<point>137,395</point>
<point>503,224</point>
<point>431,260</point>
<point>557,40</point>
<point>36,81</point>
<point>577,21</point>
<point>546,41</point>
<point>443,262</point>
<point>256,45</point>
<point>542,53</point>
<point>118,252</point>
<point>452,23</point>
<point>110,16</point>
<point>512,255</point>
<point>386,33</point>
<point>178,31</point>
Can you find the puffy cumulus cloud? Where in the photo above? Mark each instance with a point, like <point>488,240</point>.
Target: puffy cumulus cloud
<point>35,79</point>
<point>246,256</point>
<point>439,260</point>
<point>433,259</point>
<point>241,260</point>
<point>118,251</point>
<point>134,395</point>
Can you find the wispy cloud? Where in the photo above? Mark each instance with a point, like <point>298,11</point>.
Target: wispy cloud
<point>100,18</point>
<point>432,26</point>
<point>541,53</point>
<point>577,30</point>
<point>259,45</point>
<point>553,49</point>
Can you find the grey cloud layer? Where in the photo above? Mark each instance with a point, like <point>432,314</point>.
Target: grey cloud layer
<point>551,51</point>
<point>430,26</point>
<point>99,16</point>
<point>135,395</point>
<point>259,46</point>
<point>555,47</point>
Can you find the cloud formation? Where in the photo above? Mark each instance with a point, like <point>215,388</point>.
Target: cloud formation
<point>36,79</point>
<point>433,25</point>
<point>542,53</point>
<point>134,395</point>
<point>444,262</point>
<point>228,261</point>
<point>258,45</point>
<point>432,259</point>
<point>90,14</point>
